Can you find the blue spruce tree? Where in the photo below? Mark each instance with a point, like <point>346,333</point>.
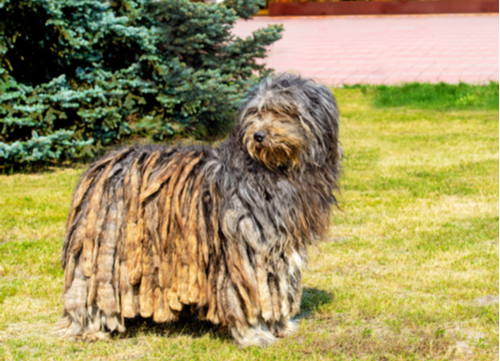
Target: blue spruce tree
<point>76,75</point>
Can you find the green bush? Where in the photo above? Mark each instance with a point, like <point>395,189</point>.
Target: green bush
<point>76,75</point>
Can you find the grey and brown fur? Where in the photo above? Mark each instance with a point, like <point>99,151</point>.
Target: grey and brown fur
<point>221,232</point>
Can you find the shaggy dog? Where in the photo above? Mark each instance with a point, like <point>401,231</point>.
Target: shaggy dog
<point>156,231</point>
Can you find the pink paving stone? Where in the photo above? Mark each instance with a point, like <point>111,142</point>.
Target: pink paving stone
<point>338,50</point>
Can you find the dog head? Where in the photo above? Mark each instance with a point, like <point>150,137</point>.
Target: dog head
<point>289,122</point>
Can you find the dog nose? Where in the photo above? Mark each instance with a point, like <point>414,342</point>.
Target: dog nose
<point>259,136</point>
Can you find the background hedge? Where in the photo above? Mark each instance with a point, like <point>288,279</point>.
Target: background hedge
<point>76,75</point>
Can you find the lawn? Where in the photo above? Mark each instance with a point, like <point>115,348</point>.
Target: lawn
<point>409,270</point>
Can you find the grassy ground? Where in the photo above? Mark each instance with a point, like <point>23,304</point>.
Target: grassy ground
<point>440,96</point>
<point>409,270</point>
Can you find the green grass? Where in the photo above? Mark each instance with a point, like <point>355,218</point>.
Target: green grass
<point>408,271</point>
<point>440,96</point>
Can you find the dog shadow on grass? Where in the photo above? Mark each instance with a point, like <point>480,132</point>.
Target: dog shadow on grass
<point>312,299</point>
<point>187,325</point>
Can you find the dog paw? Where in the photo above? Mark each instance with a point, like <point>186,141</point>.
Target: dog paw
<point>70,329</point>
<point>284,328</point>
<point>253,336</point>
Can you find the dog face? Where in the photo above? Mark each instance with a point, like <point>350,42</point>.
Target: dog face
<point>289,122</point>
<point>274,138</point>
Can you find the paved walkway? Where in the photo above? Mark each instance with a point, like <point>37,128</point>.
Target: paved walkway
<point>339,50</point>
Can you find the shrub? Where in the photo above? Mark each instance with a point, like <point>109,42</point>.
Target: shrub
<point>80,74</point>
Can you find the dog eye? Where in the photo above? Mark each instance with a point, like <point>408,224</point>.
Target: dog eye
<point>251,111</point>
<point>286,121</point>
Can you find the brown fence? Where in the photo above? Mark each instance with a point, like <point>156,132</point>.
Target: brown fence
<point>292,7</point>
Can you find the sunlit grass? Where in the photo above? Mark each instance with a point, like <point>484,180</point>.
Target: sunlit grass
<point>409,270</point>
<point>439,97</point>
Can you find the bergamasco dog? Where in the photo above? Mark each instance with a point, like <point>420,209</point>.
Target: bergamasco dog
<point>222,233</point>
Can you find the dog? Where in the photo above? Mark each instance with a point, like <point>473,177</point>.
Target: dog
<point>220,233</point>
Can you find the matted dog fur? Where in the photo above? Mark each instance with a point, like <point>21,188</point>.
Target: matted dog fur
<point>221,232</point>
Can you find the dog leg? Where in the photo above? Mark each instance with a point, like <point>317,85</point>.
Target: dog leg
<point>80,321</point>
<point>258,335</point>
<point>284,328</point>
